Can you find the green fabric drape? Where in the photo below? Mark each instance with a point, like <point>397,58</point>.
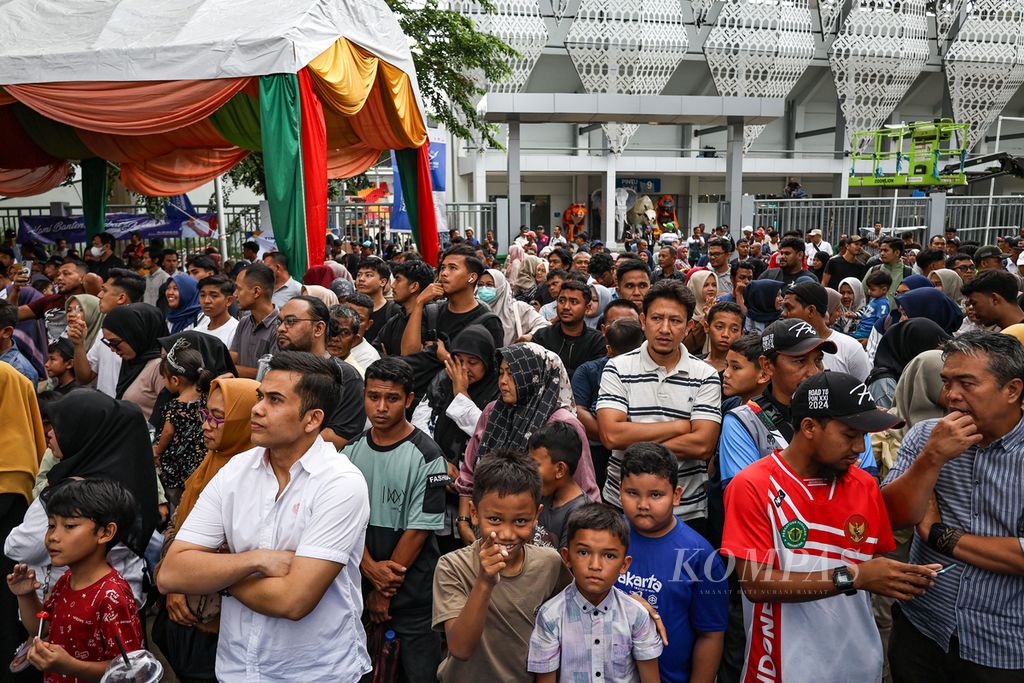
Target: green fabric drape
<point>239,122</point>
<point>94,195</point>
<point>405,159</point>
<point>56,139</point>
<point>281,128</point>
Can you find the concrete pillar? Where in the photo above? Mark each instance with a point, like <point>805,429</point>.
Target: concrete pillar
<point>608,219</point>
<point>841,182</point>
<point>734,175</point>
<point>515,186</point>
<point>936,213</point>
<point>480,177</point>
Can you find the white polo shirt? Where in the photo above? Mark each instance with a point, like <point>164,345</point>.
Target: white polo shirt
<point>322,513</point>
<point>106,364</point>
<point>635,384</point>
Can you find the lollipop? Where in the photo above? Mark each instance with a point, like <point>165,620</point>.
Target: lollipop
<point>41,615</point>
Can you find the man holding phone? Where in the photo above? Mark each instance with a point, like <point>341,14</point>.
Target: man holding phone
<point>960,481</point>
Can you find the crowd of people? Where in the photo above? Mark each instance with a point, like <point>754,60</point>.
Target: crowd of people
<point>688,458</point>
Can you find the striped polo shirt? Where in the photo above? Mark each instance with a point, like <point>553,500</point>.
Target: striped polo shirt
<point>635,384</point>
<point>982,492</point>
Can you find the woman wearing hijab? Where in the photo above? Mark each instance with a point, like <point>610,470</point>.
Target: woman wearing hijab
<point>923,302</point>
<point>322,293</point>
<point>133,333</point>
<point>704,286</point>
<point>95,437</point>
<point>339,270</point>
<point>601,297</point>
<point>87,307</point>
<point>913,282</point>
<point>517,317</point>
<point>851,301</point>
<point>454,401</point>
<point>901,344</point>
<point>949,283</point>
<point>525,285</point>
<point>183,310</point>
<point>759,304</point>
<point>226,433</point>
<point>534,390</point>
<point>319,275</point>
<point>21,430</point>
<point>514,262</point>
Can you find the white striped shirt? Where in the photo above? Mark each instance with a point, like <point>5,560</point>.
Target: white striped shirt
<point>635,384</point>
<point>981,492</point>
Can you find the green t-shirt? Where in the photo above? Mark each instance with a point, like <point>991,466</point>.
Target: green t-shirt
<point>406,481</point>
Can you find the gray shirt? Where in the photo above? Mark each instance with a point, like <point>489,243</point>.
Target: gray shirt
<point>153,282</point>
<point>551,524</point>
<point>286,293</point>
<point>253,339</point>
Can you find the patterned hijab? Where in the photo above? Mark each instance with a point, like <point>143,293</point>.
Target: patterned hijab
<point>542,387</point>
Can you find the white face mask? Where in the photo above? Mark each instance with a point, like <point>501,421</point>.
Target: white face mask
<point>96,251</point>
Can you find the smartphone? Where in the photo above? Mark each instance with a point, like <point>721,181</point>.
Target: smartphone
<point>947,568</point>
<point>26,268</point>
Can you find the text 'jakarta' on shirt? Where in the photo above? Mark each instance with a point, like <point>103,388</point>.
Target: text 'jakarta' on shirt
<point>633,383</point>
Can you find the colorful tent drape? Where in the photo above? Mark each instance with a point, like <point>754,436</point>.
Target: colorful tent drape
<point>94,195</point>
<point>333,119</point>
<point>414,171</point>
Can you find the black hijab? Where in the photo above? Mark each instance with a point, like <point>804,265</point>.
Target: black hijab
<point>476,341</point>
<point>902,343</point>
<point>140,326</point>
<point>216,359</point>
<point>101,438</point>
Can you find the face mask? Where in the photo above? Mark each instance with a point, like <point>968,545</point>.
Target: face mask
<point>486,295</point>
<point>96,251</point>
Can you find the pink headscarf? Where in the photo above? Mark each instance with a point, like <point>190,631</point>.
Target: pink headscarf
<point>514,262</point>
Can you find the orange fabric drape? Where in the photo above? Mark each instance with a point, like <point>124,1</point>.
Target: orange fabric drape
<point>27,182</point>
<point>126,148</point>
<point>5,97</point>
<point>400,104</point>
<point>350,161</point>
<point>180,171</point>
<point>130,107</point>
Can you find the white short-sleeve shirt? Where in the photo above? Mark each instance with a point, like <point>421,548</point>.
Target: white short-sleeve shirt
<point>322,513</point>
<point>226,332</point>
<point>106,364</point>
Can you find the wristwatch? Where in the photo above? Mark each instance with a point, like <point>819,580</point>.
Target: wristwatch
<point>464,518</point>
<point>842,579</point>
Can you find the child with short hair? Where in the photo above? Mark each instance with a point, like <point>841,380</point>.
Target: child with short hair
<point>180,448</point>
<point>592,630</point>
<point>60,366</point>
<point>216,296</point>
<point>694,610</point>
<point>487,594</point>
<point>556,449</point>
<point>723,325</point>
<point>91,607</point>
<point>744,378</point>
<point>878,284</point>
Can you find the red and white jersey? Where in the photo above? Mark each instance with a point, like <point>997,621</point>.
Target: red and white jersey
<point>776,518</point>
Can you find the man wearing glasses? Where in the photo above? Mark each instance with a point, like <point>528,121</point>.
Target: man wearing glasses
<point>964,266</point>
<point>719,249</point>
<point>306,325</point>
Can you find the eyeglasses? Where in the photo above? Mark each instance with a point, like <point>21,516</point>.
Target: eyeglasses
<point>291,320</point>
<point>112,343</point>
<point>210,418</point>
<point>965,268</point>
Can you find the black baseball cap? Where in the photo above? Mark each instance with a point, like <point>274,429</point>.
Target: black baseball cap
<point>793,337</point>
<point>988,251</point>
<point>842,397</point>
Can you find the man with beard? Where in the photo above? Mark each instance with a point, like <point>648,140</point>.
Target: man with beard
<point>306,325</point>
<point>807,528</point>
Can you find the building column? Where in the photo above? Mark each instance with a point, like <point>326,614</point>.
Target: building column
<point>841,183</point>
<point>734,175</point>
<point>480,177</point>
<point>515,218</point>
<point>608,219</point>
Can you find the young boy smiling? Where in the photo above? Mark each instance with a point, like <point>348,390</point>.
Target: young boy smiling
<point>91,607</point>
<point>486,594</point>
<point>592,630</point>
<point>674,569</point>
<point>744,378</point>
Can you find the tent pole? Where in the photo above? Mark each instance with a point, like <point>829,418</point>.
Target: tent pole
<point>222,227</point>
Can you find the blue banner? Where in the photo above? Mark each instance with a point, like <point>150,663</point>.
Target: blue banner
<point>438,165</point>
<point>640,185</point>
<point>399,216</point>
<point>48,229</point>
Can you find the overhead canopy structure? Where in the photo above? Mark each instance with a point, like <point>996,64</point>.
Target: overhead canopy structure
<point>176,94</point>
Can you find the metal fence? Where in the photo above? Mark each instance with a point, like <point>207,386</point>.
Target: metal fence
<point>358,221</point>
<point>973,217</point>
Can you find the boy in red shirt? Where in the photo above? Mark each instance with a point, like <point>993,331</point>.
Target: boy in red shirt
<point>91,606</point>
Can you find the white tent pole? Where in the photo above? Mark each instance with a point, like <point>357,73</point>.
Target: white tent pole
<point>222,226</point>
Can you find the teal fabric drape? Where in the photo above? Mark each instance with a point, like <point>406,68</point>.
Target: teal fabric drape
<point>406,160</point>
<point>280,128</point>
<point>239,122</point>
<point>94,195</point>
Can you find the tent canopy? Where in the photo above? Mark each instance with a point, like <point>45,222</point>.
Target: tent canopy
<point>177,93</point>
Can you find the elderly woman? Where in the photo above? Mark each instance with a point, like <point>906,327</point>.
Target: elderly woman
<point>534,390</point>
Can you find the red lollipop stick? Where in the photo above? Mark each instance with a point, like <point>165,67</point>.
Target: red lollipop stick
<point>42,616</point>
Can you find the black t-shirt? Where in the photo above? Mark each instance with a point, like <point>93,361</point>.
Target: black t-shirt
<point>380,317</point>
<point>348,420</point>
<point>838,269</point>
<point>389,337</point>
<point>102,268</point>
<point>450,324</point>
<point>574,351</point>
<point>782,276</point>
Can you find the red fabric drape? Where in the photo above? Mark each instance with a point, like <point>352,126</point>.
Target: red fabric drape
<point>430,243</point>
<point>129,107</point>
<point>314,169</point>
<point>17,150</point>
<point>23,182</point>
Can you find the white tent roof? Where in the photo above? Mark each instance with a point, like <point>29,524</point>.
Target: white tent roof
<point>45,41</point>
